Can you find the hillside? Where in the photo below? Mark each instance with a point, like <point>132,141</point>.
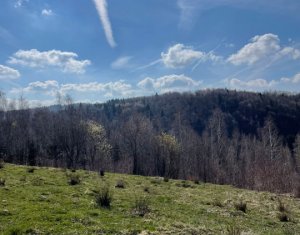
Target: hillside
<point>246,139</point>
<point>40,201</point>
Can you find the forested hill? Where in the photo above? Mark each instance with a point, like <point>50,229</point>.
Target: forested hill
<point>245,139</point>
<point>244,111</point>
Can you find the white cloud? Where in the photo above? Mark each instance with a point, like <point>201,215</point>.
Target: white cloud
<point>47,12</point>
<point>188,10</point>
<point>101,6</point>
<point>19,3</point>
<point>263,47</point>
<point>8,73</point>
<point>255,84</point>
<point>66,61</point>
<point>121,62</point>
<point>295,79</point>
<point>51,87</point>
<point>168,83</point>
<point>179,56</point>
<point>120,87</point>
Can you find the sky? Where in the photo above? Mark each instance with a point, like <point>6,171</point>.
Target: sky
<point>96,50</point>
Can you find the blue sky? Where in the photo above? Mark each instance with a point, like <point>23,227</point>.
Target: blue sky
<point>95,50</point>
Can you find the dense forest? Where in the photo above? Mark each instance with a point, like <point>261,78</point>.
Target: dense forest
<point>250,140</point>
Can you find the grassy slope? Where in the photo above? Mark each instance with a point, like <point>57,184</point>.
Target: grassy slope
<point>43,203</point>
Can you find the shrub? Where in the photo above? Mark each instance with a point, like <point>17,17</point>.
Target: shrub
<point>185,184</point>
<point>297,192</point>
<point>217,202</point>
<point>74,179</point>
<point>196,182</point>
<point>284,217</point>
<point>281,207</point>
<point>141,206</point>
<point>233,230</point>
<point>241,206</point>
<point>120,184</point>
<point>30,169</point>
<point>15,231</point>
<point>37,181</point>
<point>146,189</point>
<point>155,181</point>
<point>2,182</point>
<point>2,163</point>
<point>103,197</point>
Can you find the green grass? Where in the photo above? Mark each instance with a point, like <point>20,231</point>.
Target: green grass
<point>43,202</point>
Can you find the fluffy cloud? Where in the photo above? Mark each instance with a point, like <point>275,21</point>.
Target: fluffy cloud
<point>255,84</point>
<point>19,3</point>
<point>8,73</point>
<point>101,6</point>
<point>169,83</point>
<point>47,12</point>
<point>295,79</point>
<point>263,47</point>
<point>119,87</point>
<point>179,56</point>
<point>67,61</point>
<point>121,62</point>
<point>52,87</point>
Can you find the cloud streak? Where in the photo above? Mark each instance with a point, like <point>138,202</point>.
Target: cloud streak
<point>101,6</point>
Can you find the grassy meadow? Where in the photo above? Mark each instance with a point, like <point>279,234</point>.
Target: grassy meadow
<point>58,201</point>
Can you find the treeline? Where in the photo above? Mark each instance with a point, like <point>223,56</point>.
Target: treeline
<point>249,140</point>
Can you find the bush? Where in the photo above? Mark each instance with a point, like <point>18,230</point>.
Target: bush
<point>297,192</point>
<point>284,217</point>
<point>30,169</point>
<point>217,202</point>
<point>166,179</point>
<point>74,179</point>
<point>146,189</point>
<point>37,181</point>
<point>103,197</point>
<point>2,182</point>
<point>196,182</point>
<point>233,230</point>
<point>15,231</point>
<point>184,184</point>
<point>120,184</point>
<point>2,163</point>
<point>281,207</point>
<point>241,206</point>
<point>141,206</point>
<point>155,181</point>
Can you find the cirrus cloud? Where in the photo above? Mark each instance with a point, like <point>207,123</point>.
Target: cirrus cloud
<point>121,62</point>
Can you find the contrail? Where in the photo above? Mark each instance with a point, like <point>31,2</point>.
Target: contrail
<point>101,6</point>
